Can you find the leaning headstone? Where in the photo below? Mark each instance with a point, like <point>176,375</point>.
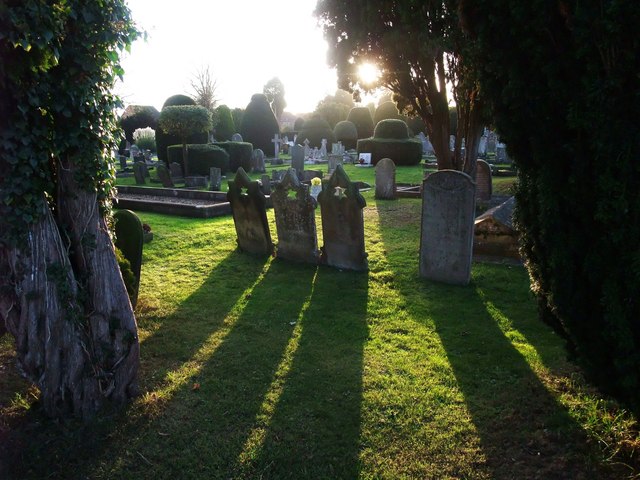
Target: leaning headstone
<point>446,235</point>
<point>483,181</point>
<point>341,207</point>
<point>257,158</point>
<point>276,175</point>
<point>176,171</point>
<point>248,205</point>
<point>130,241</point>
<point>295,220</point>
<point>139,172</point>
<point>236,137</point>
<point>297,158</point>
<point>215,179</point>
<point>386,179</point>
<point>164,176</point>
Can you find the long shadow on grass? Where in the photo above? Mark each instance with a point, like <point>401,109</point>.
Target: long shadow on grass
<point>315,430</point>
<point>524,432</point>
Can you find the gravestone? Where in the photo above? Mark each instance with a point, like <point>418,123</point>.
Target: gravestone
<point>257,158</point>
<point>483,181</point>
<point>295,220</point>
<point>307,149</point>
<point>452,142</point>
<point>195,181</point>
<point>482,147</point>
<point>494,234</point>
<point>248,206</point>
<point>276,146</point>
<point>501,153</point>
<point>130,240</point>
<point>341,207</point>
<point>236,137</point>
<point>334,161</point>
<point>139,172</point>
<point>297,158</point>
<point>446,234</point>
<point>176,171</point>
<point>323,149</point>
<point>307,175</point>
<point>215,179</point>
<point>386,179</point>
<point>134,151</point>
<point>265,182</point>
<point>492,141</point>
<point>164,176</point>
<point>123,162</point>
<point>276,175</point>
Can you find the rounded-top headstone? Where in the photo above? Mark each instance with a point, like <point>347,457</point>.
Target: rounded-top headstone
<point>236,137</point>
<point>386,179</point>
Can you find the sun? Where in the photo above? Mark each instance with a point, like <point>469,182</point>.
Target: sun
<point>368,73</point>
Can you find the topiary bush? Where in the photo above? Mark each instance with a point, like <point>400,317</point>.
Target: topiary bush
<point>298,124</point>
<point>315,129</point>
<point>225,126</point>
<point>347,133</point>
<point>259,124</point>
<point>138,116</point>
<point>163,140</point>
<point>391,140</point>
<point>239,154</point>
<point>201,158</point>
<point>386,110</point>
<point>362,119</point>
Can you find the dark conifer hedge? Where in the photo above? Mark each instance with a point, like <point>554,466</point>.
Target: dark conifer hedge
<point>259,124</point>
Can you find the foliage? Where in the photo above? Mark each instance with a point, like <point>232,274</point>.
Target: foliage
<point>391,128</point>
<point>237,114</point>
<point>259,124</point>
<point>204,90</point>
<point>315,129</point>
<point>335,108</point>
<point>274,91</point>
<point>361,118</point>
<point>239,154</point>
<point>347,133</point>
<point>129,241</point>
<point>163,140</point>
<point>575,140</point>
<point>145,138</point>
<point>402,152</point>
<point>201,158</point>
<point>298,124</point>
<point>386,110</point>
<point>129,279</point>
<point>138,116</point>
<point>178,99</point>
<point>225,127</point>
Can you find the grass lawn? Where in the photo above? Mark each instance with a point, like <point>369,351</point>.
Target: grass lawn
<point>260,368</point>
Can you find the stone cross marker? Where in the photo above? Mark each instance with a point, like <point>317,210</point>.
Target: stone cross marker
<point>342,223</point>
<point>323,149</point>
<point>386,179</point>
<point>334,161</point>
<point>295,220</point>
<point>307,149</point>
<point>483,181</point>
<point>248,206</point>
<point>139,172</point>
<point>446,234</point>
<point>215,179</point>
<point>276,146</point>
<point>297,158</point>
<point>164,176</point>
<point>257,158</point>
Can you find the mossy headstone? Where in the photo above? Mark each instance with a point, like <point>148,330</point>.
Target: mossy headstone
<point>130,240</point>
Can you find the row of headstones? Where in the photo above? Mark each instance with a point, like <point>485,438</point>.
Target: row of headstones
<point>341,207</point>
<point>489,143</point>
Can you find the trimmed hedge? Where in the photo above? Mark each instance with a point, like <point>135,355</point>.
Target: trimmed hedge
<point>402,152</point>
<point>201,158</point>
<point>385,111</point>
<point>315,129</point>
<point>138,116</point>
<point>361,118</point>
<point>259,124</point>
<point>176,100</point>
<point>239,154</point>
<point>163,140</point>
<point>391,128</point>
<point>225,126</point>
<point>347,133</point>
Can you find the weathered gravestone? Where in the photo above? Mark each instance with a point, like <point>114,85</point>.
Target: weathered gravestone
<point>501,153</point>
<point>140,172</point>
<point>492,142</point>
<point>276,146</point>
<point>236,137</point>
<point>134,151</point>
<point>342,223</point>
<point>130,240</point>
<point>386,179</point>
<point>215,179</point>
<point>334,161</point>
<point>482,147</point>
<point>323,149</point>
<point>195,181</point>
<point>176,171</point>
<point>307,149</point>
<point>277,175</point>
<point>248,205</point>
<point>257,158</point>
<point>307,175</point>
<point>164,176</point>
<point>483,181</point>
<point>123,162</point>
<point>295,220</point>
<point>265,183</point>
<point>297,158</point>
<point>446,234</point>
<point>494,234</point>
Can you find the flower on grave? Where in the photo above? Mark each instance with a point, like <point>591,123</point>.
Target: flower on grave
<point>315,181</point>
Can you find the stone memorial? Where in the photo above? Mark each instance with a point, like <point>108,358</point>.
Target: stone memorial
<point>257,161</point>
<point>494,234</point>
<point>307,149</point>
<point>195,181</point>
<point>236,137</point>
<point>483,181</point>
<point>164,176</point>
<point>341,207</point>
<point>123,162</point>
<point>276,175</point>
<point>323,149</point>
<point>215,179</point>
<point>334,161</point>
<point>276,146</point>
<point>446,234</point>
<point>248,206</point>
<point>265,182</point>
<point>385,180</point>
<point>295,220</point>
<point>176,171</point>
<point>501,153</point>
<point>134,151</point>
<point>297,158</point>
<point>482,147</point>
<point>140,172</point>
<point>307,175</point>
<point>452,142</point>
<point>492,141</point>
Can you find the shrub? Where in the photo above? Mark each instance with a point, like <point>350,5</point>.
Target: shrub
<point>225,126</point>
<point>416,125</point>
<point>138,116</point>
<point>361,118</point>
<point>347,133</point>
<point>129,242</point>
<point>175,100</point>
<point>298,124</point>
<point>239,154</point>
<point>201,158</point>
<point>315,129</point>
<point>391,128</point>
<point>386,110</point>
<point>184,121</point>
<point>391,140</point>
<point>145,138</point>
<point>163,140</point>
<point>259,124</point>
<point>237,114</point>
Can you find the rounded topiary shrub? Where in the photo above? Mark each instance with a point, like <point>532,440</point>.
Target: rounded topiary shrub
<point>347,133</point>
<point>315,129</point>
<point>138,116</point>
<point>225,126</point>
<point>391,140</point>
<point>391,128</point>
<point>298,124</point>
<point>259,124</point>
<point>163,140</point>
<point>386,110</point>
<point>361,118</point>
<point>201,158</point>
<point>239,154</point>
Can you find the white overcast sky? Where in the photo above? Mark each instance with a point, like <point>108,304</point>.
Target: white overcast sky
<point>244,42</point>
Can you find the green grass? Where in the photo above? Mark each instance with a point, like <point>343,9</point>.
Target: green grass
<point>259,368</point>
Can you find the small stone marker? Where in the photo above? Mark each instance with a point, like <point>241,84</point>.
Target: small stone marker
<point>307,149</point>
<point>446,234</point>
<point>164,176</point>
<point>342,223</point>
<point>248,205</point>
<point>482,146</point>
<point>176,171</point>
<point>276,175</point>
<point>386,179</point>
<point>265,181</point>
<point>215,179</point>
<point>134,151</point>
<point>483,181</point>
<point>257,158</point>
<point>494,234</point>
<point>295,220</point>
<point>501,153</point>
<point>140,172</point>
<point>236,137</point>
<point>297,158</point>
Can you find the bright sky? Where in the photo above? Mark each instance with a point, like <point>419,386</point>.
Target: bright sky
<point>245,43</point>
